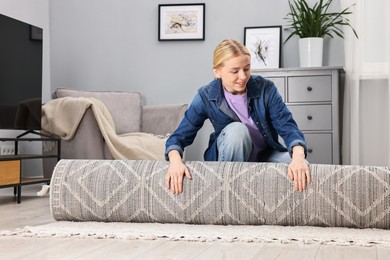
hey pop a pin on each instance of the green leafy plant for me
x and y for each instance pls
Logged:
(316, 21)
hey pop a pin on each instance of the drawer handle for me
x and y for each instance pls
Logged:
(309, 117)
(309, 150)
(309, 88)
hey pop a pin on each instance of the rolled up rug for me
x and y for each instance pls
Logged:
(226, 193)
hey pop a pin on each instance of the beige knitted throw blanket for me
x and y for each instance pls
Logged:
(62, 117)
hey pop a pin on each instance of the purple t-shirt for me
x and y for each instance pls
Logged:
(239, 104)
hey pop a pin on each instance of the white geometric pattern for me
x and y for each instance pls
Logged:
(220, 193)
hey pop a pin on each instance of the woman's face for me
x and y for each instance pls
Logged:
(235, 74)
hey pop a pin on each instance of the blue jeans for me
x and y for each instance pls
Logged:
(235, 145)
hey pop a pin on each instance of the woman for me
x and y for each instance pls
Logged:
(247, 114)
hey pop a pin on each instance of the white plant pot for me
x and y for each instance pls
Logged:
(310, 52)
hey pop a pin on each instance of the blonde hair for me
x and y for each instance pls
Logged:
(227, 49)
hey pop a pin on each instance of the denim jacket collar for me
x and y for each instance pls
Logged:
(216, 95)
(216, 92)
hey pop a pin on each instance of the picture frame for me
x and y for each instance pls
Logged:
(181, 22)
(265, 45)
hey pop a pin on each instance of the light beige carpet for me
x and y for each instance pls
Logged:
(203, 233)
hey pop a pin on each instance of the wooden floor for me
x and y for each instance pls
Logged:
(35, 211)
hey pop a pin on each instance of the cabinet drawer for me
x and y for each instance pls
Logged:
(279, 83)
(9, 172)
(307, 89)
(319, 148)
(312, 117)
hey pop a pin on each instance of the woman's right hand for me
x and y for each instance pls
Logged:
(176, 171)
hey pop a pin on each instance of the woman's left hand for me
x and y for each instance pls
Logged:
(298, 169)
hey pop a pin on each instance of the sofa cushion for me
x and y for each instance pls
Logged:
(125, 107)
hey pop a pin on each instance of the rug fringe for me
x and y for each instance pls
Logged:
(302, 241)
(207, 233)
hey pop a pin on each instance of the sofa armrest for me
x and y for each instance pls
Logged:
(87, 143)
(162, 119)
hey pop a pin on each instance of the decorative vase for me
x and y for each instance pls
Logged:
(310, 51)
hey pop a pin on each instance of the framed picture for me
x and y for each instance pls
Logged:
(264, 44)
(181, 22)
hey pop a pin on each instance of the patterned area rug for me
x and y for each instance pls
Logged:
(223, 193)
(206, 233)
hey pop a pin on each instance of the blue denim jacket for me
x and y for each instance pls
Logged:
(266, 108)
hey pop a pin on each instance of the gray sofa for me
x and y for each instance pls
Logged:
(129, 115)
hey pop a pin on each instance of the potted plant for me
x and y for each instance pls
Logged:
(312, 24)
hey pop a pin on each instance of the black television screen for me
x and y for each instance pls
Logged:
(20, 75)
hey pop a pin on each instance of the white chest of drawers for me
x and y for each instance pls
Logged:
(312, 95)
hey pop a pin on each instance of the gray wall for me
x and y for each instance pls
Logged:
(113, 45)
